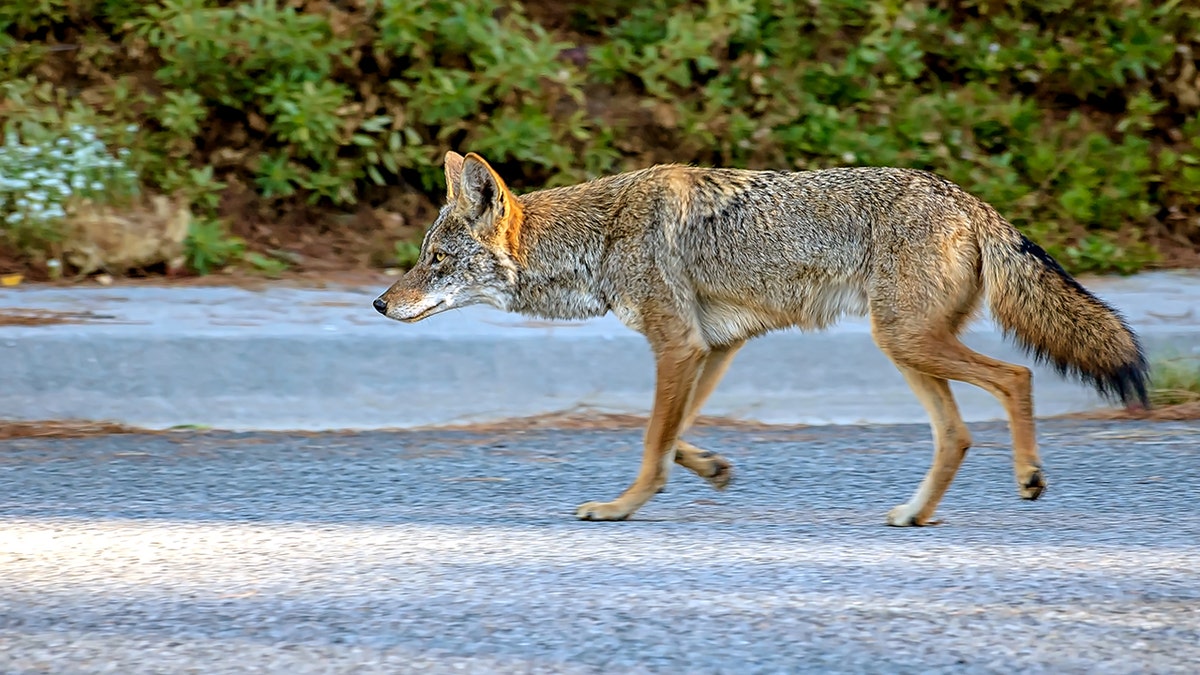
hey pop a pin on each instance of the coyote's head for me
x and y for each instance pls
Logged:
(470, 253)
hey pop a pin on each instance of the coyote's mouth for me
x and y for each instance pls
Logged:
(423, 314)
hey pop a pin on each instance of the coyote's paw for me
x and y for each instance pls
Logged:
(1032, 485)
(907, 516)
(603, 511)
(708, 465)
(719, 472)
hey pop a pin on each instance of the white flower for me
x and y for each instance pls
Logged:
(35, 179)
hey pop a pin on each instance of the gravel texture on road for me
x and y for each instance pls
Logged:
(453, 551)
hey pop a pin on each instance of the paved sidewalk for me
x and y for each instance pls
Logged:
(293, 358)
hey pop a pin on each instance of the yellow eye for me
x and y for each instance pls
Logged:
(439, 257)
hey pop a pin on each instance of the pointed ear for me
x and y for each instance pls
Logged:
(454, 169)
(498, 213)
(483, 189)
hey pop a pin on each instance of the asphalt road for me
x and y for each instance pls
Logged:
(440, 552)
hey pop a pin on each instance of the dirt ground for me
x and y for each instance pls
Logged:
(85, 428)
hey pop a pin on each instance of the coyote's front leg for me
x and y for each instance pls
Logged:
(677, 368)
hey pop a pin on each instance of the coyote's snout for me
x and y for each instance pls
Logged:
(701, 260)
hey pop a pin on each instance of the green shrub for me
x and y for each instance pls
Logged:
(406, 254)
(1175, 380)
(209, 246)
(1080, 121)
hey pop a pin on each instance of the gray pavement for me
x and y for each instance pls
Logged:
(454, 552)
(293, 358)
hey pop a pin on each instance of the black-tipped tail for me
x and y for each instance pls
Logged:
(1058, 321)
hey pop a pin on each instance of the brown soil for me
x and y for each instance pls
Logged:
(579, 421)
(586, 420)
(310, 239)
(10, 316)
(1184, 412)
(64, 429)
(324, 276)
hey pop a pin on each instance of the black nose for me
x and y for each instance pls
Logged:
(380, 305)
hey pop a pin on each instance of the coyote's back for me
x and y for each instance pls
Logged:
(755, 251)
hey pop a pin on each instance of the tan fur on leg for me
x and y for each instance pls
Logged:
(950, 440)
(678, 367)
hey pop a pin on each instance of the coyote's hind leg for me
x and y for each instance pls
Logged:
(708, 465)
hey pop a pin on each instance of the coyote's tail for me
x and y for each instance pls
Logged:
(1051, 316)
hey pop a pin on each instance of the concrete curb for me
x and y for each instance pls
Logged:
(289, 358)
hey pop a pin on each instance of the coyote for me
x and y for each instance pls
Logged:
(700, 260)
